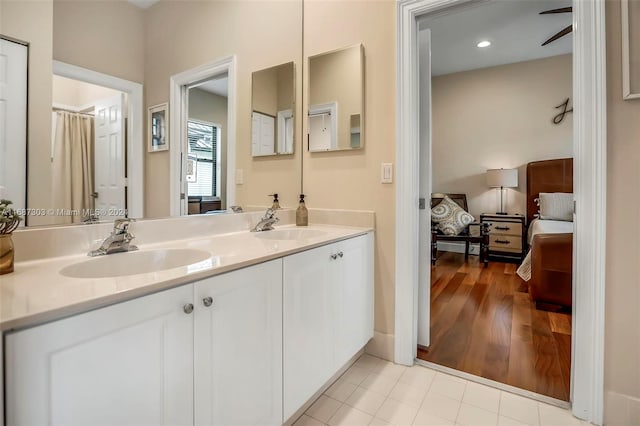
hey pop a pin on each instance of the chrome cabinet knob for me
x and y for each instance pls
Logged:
(341, 254)
(188, 308)
(334, 256)
(207, 301)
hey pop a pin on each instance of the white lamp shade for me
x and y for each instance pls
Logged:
(506, 178)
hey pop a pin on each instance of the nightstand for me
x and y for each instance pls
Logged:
(507, 236)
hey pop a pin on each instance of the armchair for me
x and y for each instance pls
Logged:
(467, 236)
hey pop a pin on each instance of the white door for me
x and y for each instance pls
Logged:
(309, 310)
(354, 318)
(127, 364)
(109, 158)
(424, 214)
(13, 122)
(238, 347)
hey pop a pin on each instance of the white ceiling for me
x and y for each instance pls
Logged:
(515, 29)
(143, 4)
(218, 86)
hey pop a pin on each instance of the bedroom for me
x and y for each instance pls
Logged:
(502, 106)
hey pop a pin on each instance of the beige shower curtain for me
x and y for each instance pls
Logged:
(73, 166)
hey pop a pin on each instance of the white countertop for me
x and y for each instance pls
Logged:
(36, 292)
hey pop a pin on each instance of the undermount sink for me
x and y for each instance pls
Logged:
(290, 234)
(135, 262)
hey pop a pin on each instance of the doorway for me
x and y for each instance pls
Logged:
(589, 96)
(491, 96)
(88, 152)
(202, 161)
(126, 98)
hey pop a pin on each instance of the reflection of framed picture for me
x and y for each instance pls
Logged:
(630, 49)
(192, 168)
(158, 127)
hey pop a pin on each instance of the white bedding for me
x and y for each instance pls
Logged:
(539, 226)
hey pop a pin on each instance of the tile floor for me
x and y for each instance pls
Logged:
(377, 392)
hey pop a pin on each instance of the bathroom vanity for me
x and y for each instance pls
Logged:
(245, 336)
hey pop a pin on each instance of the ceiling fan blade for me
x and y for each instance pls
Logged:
(562, 33)
(561, 10)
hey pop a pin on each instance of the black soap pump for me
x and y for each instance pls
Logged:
(302, 215)
(276, 203)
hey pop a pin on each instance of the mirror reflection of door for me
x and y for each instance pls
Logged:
(206, 146)
(88, 152)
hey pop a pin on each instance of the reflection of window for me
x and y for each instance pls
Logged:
(204, 150)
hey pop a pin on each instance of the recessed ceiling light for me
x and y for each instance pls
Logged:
(484, 43)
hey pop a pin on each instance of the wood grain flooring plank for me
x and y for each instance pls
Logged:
(560, 323)
(484, 323)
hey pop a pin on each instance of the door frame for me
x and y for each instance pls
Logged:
(135, 122)
(590, 160)
(178, 121)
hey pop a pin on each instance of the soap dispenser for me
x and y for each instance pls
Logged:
(302, 215)
(276, 203)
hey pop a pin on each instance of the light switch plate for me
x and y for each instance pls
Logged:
(386, 173)
(239, 176)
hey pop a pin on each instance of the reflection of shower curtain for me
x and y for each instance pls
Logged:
(73, 165)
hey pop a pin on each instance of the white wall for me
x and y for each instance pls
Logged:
(498, 117)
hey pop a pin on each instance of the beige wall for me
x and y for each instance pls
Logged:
(31, 21)
(622, 319)
(351, 179)
(103, 36)
(69, 92)
(264, 91)
(212, 108)
(337, 77)
(261, 35)
(498, 117)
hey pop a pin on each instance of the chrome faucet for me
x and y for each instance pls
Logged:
(266, 223)
(118, 241)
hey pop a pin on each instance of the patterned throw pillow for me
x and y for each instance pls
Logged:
(450, 217)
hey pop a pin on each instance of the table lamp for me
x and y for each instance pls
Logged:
(502, 178)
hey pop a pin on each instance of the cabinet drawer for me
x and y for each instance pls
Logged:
(509, 243)
(505, 228)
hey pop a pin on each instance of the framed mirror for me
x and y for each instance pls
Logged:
(273, 110)
(336, 100)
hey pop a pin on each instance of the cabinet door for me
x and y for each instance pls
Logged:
(126, 364)
(309, 291)
(238, 347)
(354, 318)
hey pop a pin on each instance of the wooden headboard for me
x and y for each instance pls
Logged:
(547, 176)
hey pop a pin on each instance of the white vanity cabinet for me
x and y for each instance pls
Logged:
(247, 347)
(328, 314)
(139, 362)
(238, 347)
(127, 364)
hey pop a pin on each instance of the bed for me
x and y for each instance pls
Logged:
(547, 268)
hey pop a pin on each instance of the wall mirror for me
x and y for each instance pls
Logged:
(336, 100)
(272, 110)
(141, 55)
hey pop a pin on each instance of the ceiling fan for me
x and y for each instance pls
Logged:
(563, 32)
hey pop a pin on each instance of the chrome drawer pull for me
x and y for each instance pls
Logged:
(503, 241)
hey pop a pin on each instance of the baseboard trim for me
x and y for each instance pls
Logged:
(621, 409)
(454, 247)
(381, 346)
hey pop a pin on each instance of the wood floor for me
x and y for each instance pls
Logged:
(483, 323)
